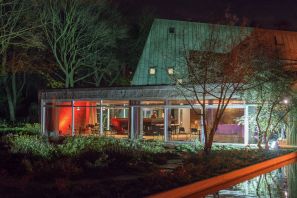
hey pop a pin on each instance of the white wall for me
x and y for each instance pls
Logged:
(185, 119)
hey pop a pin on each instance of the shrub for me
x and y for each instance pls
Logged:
(32, 128)
(20, 128)
(73, 146)
(190, 147)
(148, 146)
(32, 145)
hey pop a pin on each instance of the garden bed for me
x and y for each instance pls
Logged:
(106, 167)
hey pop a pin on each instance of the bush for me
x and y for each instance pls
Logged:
(91, 152)
(73, 146)
(194, 147)
(148, 146)
(31, 145)
(20, 128)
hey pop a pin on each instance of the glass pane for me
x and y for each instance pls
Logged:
(184, 124)
(86, 120)
(58, 121)
(153, 123)
(116, 122)
(230, 128)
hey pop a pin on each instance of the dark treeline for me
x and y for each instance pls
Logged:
(64, 44)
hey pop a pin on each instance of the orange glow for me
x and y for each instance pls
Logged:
(83, 116)
(65, 116)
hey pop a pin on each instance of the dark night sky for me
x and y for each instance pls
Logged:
(276, 14)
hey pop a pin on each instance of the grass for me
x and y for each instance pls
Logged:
(108, 167)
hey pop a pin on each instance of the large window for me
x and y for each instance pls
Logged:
(230, 128)
(153, 123)
(108, 117)
(113, 117)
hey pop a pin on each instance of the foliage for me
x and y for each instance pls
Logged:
(148, 146)
(76, 146)
(191, 147)
(31, 145)
(116, 167)
(20, 128)
(271, 91)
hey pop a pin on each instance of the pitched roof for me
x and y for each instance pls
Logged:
(169, 39)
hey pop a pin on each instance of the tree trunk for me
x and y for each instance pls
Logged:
(205, 131)
(71, 79)
(208, 145)
(5, 79)
(14, 89)
(259, 144)
(11, 107)
(292, 130)
(66, 81)
(266, 141)
(207, 148)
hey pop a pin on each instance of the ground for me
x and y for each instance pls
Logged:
(106, 167)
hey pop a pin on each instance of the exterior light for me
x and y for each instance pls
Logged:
(77, 108)
(152, 71)
(274, 145)
(286, 101)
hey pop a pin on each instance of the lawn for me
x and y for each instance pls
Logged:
(105, 167)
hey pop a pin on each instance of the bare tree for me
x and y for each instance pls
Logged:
(79, 38)
(16, 32)
(217, 71)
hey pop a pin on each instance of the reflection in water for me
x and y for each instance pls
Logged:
(278, 183)
(292, 180)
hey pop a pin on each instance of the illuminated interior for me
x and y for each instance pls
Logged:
(149, 120)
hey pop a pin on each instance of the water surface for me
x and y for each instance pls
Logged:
(280, 183)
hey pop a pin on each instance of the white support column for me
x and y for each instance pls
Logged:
(101, 119)
(124, 112)
(141, 132)
(166, 125)
(43, 118)
(108, 119)
(246, 124)
(178, 115)
(72, 118)
(202, 130)
(132, 132)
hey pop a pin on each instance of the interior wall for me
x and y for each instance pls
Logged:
(185, 119)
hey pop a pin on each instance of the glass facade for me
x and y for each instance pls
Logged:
(174, 120)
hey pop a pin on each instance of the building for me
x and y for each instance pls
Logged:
(152, 108)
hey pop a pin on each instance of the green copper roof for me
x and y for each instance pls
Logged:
(169, 39)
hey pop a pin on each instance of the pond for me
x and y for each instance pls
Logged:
(281, 182)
